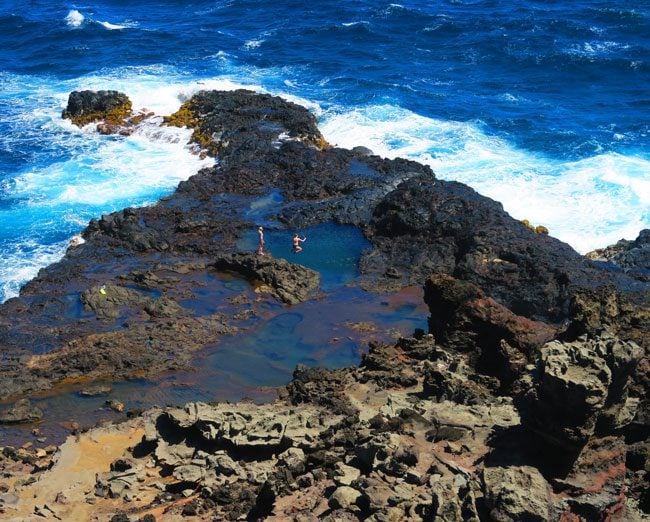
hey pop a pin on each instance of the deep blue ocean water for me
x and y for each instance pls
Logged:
(544, 106)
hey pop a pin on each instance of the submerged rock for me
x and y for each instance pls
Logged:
(21, 412)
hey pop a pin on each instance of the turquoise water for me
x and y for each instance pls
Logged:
(332, 250)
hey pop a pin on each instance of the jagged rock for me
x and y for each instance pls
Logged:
(189, 473)
(174, 454)
(517, 493)
(596, 483)
(453, 382)
(578, 385)
(592, 310)
(249, 425)
(320, 386)
(21, 412)
(126, 227)
(345, 475)
(292, 283)
(223, 464)
(451, 499)
(631, 256)
(464, 318)
(88, 106)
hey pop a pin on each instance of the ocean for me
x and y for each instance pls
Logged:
(543, 106)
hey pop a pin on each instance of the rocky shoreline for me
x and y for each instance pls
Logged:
(525, 400)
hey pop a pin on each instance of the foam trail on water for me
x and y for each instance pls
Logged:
(589, 203)
(111, 27)
(159, 89)
(147, 164)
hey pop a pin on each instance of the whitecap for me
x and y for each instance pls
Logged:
(253, 44)
(74, 18)
(506, 96)
(595, 48)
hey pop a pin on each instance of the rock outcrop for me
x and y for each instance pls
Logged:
(291, 283)
(112, 108)
(633, 257)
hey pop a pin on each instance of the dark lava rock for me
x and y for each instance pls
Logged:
(417, 226)
(21, 412)
(428, 225)
(291, 283)
(319, 386)
(88, 106)
(605, 307)
(465, 319)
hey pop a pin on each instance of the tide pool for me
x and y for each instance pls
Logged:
(330, 249)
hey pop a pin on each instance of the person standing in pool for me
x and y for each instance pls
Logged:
(296, 243)
(260, 235)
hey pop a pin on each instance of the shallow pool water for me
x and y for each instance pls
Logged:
(332, 331)
(331, 249)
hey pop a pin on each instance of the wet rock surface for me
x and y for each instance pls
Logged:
(289, 282)
(525, 400)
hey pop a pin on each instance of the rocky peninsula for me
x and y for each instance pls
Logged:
(523, 398)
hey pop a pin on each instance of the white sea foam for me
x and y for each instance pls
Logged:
(74, 18)
(93, 174)
(20, 262)
(160, 89)
(117, 173)
(253, 44)
(588, 204)
(596, 48)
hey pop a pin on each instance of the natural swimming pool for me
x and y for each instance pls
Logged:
(331, 249)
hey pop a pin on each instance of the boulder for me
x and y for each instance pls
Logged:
(290, 282)
(89, 106)
(579, 387)
(344, 497)
(21, 412)
(633, 257)
(465, 319)
(517, 493)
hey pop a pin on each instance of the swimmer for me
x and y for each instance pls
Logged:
(296, 243)
(260, 235)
